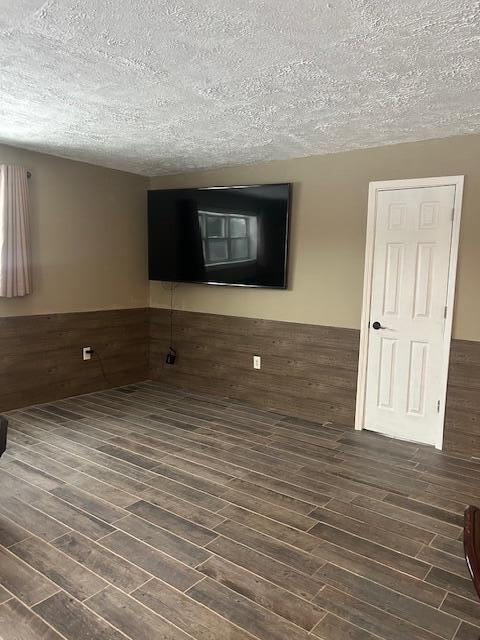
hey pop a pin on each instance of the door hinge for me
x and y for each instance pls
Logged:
(438, 406)
(445, 312)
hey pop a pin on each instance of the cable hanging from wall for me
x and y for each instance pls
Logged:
(172, 352)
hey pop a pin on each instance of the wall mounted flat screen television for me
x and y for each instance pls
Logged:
(220, 235)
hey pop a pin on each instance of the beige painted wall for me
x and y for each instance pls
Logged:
(328, 233)
(88, 237)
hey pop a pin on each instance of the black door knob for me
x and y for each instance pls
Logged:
(376, 325)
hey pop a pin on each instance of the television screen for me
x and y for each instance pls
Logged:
(220, 235)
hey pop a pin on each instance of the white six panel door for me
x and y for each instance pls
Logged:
(413, 230)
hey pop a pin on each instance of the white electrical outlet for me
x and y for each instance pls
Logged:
(257, 362)
(86, 352)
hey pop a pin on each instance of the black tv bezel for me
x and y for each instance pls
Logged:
(281, 287)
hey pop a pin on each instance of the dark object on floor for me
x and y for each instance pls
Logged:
(3, 434)
(471, 544)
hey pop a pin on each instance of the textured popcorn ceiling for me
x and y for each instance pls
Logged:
(159, 86)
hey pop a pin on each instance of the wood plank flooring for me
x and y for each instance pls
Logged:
(147, 512)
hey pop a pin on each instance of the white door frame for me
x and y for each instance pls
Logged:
(374, 189)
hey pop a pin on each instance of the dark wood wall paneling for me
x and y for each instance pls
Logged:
(307, 371)
(462, 420)
(41, 356)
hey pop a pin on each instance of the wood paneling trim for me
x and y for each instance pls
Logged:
(307, 371)
(41, 357)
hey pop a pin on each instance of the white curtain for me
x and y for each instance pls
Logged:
(15, 259)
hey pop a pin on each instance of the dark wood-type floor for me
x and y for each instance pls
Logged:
(149, 513)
